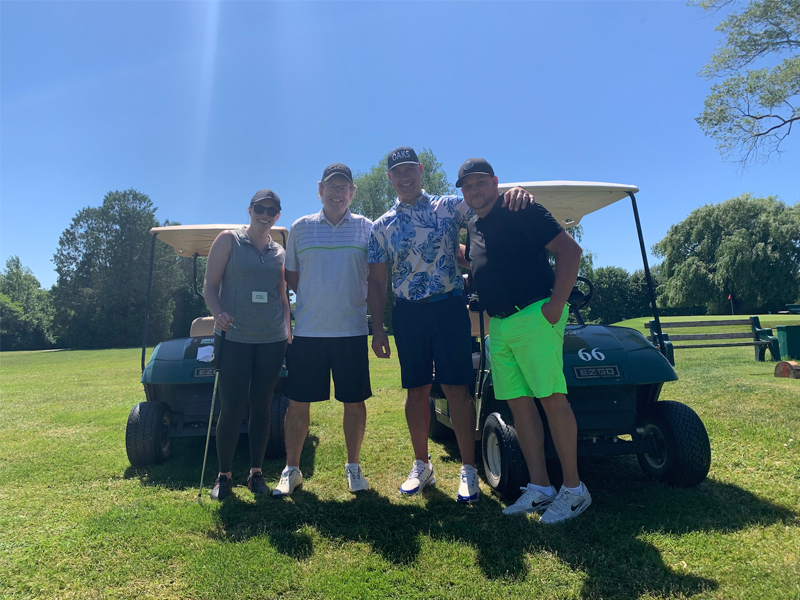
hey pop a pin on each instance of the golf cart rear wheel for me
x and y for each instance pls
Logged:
(147, 439)
(276, 446)
(681, 454)
(503, 464)
(436, 430)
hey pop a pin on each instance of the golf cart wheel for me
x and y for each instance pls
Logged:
(147, 434)
(436, 430)
(503, 464)
(276, 446)
(682, 454)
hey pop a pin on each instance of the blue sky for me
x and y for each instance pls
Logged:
(199, 104)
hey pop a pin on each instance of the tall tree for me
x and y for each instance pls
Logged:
(746, 248)
(26, 310)
(102, 264)
(753, 109)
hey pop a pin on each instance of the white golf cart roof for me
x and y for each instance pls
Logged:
(570, 201)
(187, 240)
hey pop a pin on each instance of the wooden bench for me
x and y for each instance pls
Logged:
(761, 339)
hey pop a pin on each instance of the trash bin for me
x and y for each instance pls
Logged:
(789, 340)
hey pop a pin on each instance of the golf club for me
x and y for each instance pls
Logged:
(218, 363)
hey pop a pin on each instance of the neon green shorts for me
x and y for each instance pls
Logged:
(527, 354)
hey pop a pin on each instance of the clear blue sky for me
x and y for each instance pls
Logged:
(199, 104)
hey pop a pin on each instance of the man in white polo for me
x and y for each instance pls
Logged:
(326, 266)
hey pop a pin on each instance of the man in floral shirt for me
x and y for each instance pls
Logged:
(419, 238)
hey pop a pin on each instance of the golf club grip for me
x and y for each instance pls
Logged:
(219, 351)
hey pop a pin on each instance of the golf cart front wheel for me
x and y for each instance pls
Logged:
(504, 466)
(147, 440)
(680, 453)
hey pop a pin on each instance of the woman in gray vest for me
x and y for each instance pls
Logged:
(245, 290)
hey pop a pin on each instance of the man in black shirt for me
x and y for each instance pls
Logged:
(526, 301)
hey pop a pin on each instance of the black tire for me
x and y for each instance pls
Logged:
(504, 466)
(276, 446)
(436, 430)
(147, 440)
(683, 453)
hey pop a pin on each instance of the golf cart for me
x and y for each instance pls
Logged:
(614, 377)
(178, 379)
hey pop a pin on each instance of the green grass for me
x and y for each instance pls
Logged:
(76, 521)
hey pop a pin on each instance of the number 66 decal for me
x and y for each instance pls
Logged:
(595, 354)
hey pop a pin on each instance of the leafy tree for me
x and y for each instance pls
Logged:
(102, 264)
(745, 247)
(752, 110)
(618, 295)
(26, 313)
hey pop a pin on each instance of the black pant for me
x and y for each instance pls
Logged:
(247, 371)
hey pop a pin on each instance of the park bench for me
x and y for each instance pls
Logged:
(761, 339)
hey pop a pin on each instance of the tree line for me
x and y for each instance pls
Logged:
(742, 253)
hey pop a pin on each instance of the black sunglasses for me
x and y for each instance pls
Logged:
(260, 209)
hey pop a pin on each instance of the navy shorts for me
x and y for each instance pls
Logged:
(433, 334)
(311, 361)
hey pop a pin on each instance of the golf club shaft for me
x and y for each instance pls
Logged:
(211, 413)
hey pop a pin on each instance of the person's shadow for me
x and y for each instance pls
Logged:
(626, 508)
(182, 470)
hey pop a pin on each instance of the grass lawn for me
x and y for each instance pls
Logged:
(76, 521)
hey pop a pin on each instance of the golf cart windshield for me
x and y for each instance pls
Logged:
(570, 201)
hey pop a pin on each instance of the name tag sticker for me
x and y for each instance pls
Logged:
(259, 296)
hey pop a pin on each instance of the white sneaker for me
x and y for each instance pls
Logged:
(468, 490)
(291, 479)
(355, 478)
(532, 500)
(420, 476)
(567, 505)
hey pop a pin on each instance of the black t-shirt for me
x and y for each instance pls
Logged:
(508, 255)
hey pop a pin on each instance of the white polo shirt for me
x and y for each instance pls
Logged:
(332, 261)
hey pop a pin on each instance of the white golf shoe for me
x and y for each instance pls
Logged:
(420, 476)
(291, 479)
(468, 489)
(355, 478)
(567, 505)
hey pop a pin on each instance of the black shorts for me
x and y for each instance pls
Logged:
(433, 333)
(311, 361)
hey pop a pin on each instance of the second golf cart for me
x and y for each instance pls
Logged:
(178, 378)
(614, 377)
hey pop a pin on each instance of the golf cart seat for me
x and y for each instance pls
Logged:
(202, 327)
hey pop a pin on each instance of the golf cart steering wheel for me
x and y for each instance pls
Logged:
(577, 298)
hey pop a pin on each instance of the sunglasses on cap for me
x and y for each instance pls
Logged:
(260, 209)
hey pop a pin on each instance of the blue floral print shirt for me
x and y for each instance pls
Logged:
(420, 242)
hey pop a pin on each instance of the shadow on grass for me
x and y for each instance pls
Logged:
(608, 543)
(182, 470)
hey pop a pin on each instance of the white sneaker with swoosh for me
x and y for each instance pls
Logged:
(567, 505)
(531, 501)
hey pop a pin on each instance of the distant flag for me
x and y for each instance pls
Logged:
(729, 296)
